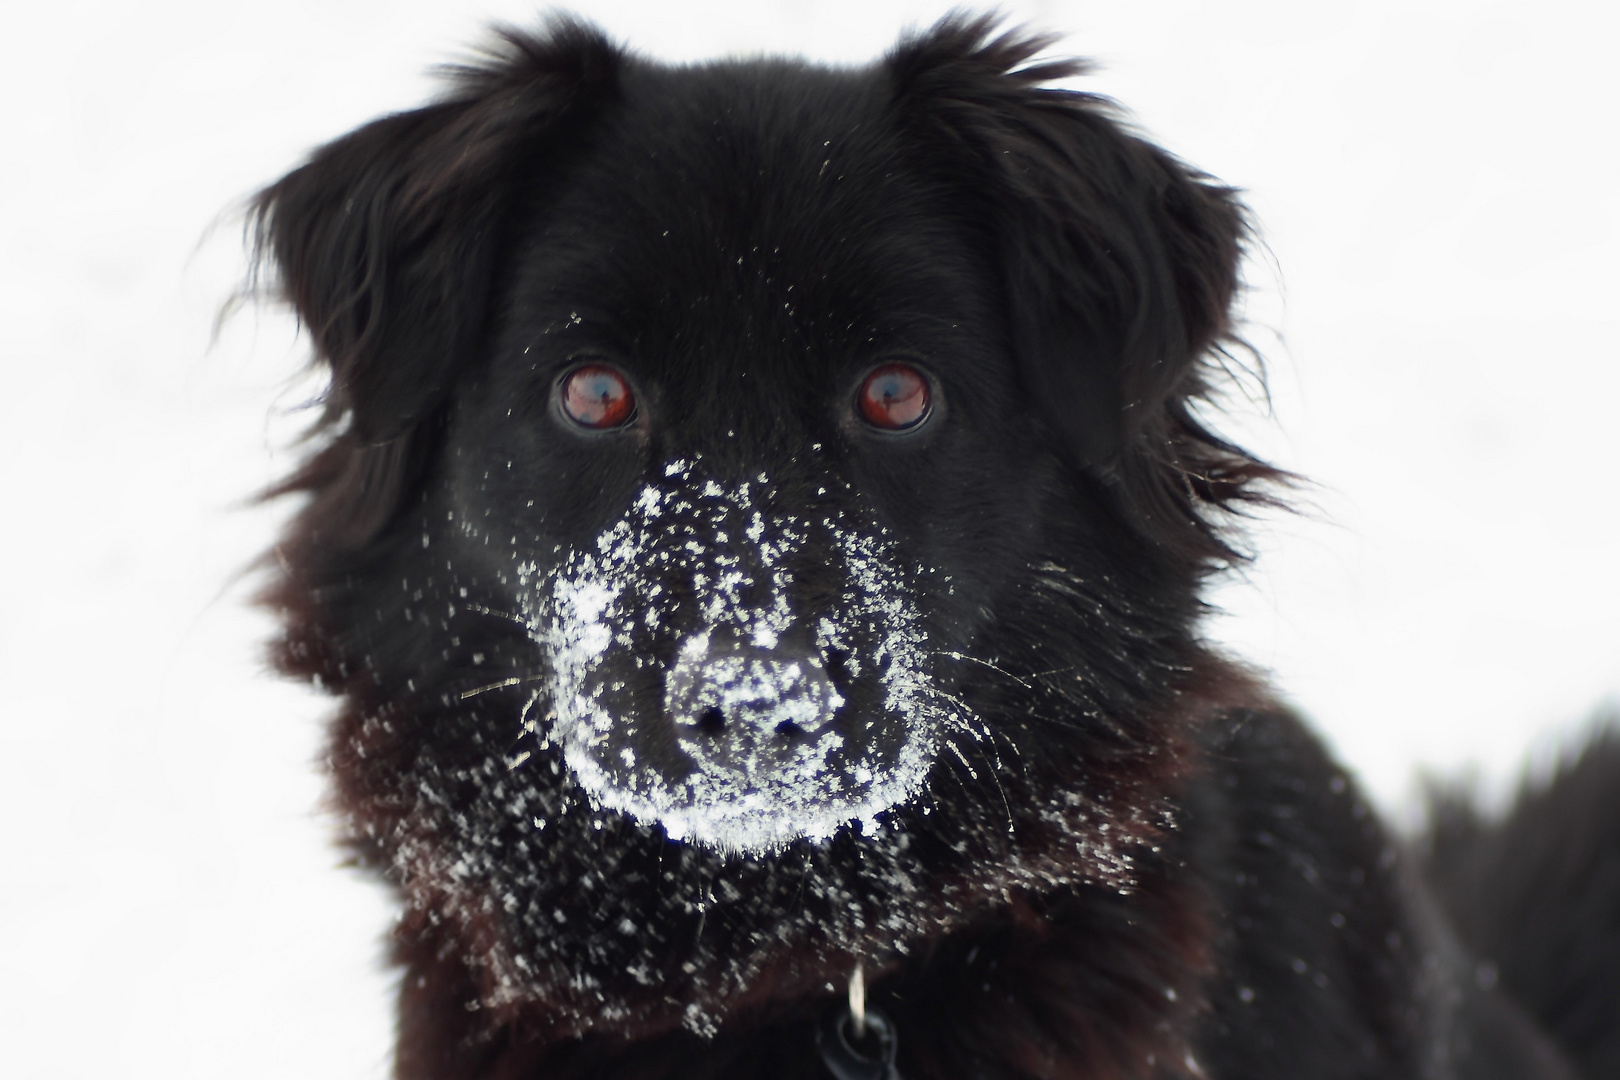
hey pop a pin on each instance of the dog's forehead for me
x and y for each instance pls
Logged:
(758, 219)
(798, 161)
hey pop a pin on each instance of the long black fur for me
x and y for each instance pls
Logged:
(1133, 863)
(1536, 896)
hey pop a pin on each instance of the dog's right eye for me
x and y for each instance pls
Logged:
(597, 396)
(894, 397)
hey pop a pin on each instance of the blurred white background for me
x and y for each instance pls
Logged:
(1435, 182)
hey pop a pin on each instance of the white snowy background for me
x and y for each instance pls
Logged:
(1436, 185)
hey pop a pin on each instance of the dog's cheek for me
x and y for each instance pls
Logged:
(521, 491)
(970, 511)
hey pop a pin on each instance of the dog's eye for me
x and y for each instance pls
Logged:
(894, 397)
(596, 396)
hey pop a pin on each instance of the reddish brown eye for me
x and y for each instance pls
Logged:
(894, 397)
(596, 396)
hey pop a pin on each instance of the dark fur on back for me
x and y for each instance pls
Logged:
(1125, 859)
(1536, 896)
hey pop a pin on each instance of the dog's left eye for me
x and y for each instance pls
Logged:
(894, 397)
(597, 396)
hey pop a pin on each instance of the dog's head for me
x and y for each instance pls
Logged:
(762, 508)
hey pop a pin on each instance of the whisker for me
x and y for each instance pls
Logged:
(503, 684)
(983, 663)
(482, 610)
(1055, 671)
(995, 774)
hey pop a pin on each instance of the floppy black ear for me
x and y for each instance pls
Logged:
(384, 244)
(1119, 264)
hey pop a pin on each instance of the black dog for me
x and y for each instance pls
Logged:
(758, 539)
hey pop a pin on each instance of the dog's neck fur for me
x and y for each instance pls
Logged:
(1120, 978)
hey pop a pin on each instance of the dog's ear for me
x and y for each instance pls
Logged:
(384, 244)
(1119, 265)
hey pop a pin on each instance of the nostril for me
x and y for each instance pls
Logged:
(730, 701)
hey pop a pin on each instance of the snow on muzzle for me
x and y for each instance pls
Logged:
(741, 677)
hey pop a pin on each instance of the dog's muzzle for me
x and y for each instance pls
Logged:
(741, 679)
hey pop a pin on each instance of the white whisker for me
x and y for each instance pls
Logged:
(503, 684)
(482, 610)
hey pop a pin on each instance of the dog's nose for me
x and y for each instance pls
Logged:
(745, 705)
